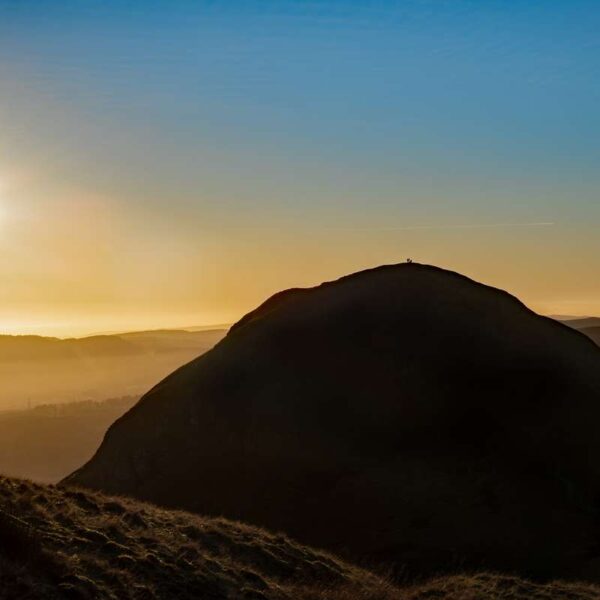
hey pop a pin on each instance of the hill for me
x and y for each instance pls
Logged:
(593, 333)
(405, 416)
(32, 347)
(589, 326)
(66, 543)
(69, 543)
(47, 442)
(581, 323)
(36, 370)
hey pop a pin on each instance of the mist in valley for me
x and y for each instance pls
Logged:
(37, 370)
(59, 397)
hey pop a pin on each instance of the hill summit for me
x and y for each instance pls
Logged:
(404, 415)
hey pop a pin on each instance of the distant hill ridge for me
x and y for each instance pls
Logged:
(405, 415)
(38, 370)
(589, 326)
(593, 333)
(581, 322)
(34, 347)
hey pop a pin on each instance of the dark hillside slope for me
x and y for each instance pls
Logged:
(593, 333)
(403, 415)
(69, 543)
(582, 323)
(589, 326)
(74, 544)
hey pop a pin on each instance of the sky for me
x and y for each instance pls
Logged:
(173, 163)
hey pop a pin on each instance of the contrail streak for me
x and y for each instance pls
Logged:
(466, 226)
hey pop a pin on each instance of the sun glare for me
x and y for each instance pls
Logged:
(2, 201)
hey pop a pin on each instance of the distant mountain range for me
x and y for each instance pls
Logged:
(192, 328)
(29, 347)
(593, 333)
(40, 370)
(404, 416)
(589, 326)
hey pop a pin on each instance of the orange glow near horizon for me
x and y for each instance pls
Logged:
(79, 266)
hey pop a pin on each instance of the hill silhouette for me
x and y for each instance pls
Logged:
(593, 333)
(404, 415)
(589, 326)
(69, 543)
(582, 322)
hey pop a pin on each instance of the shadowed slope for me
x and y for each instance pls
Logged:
(402, 415)
(69, 543)
(589, 326)
(593, 333)
(583, 323)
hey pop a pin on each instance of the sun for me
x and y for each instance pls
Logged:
(3, 202)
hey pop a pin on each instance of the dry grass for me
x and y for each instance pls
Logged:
(103, 547)
(496, 587)
(462, 587)
(69, 543)
(483, 586)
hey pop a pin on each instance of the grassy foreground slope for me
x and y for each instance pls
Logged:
(72, 543)
(68, 543)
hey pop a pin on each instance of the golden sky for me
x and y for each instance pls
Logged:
(75, 263)
(174, 167)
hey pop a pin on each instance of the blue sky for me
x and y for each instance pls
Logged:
(301, 116)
